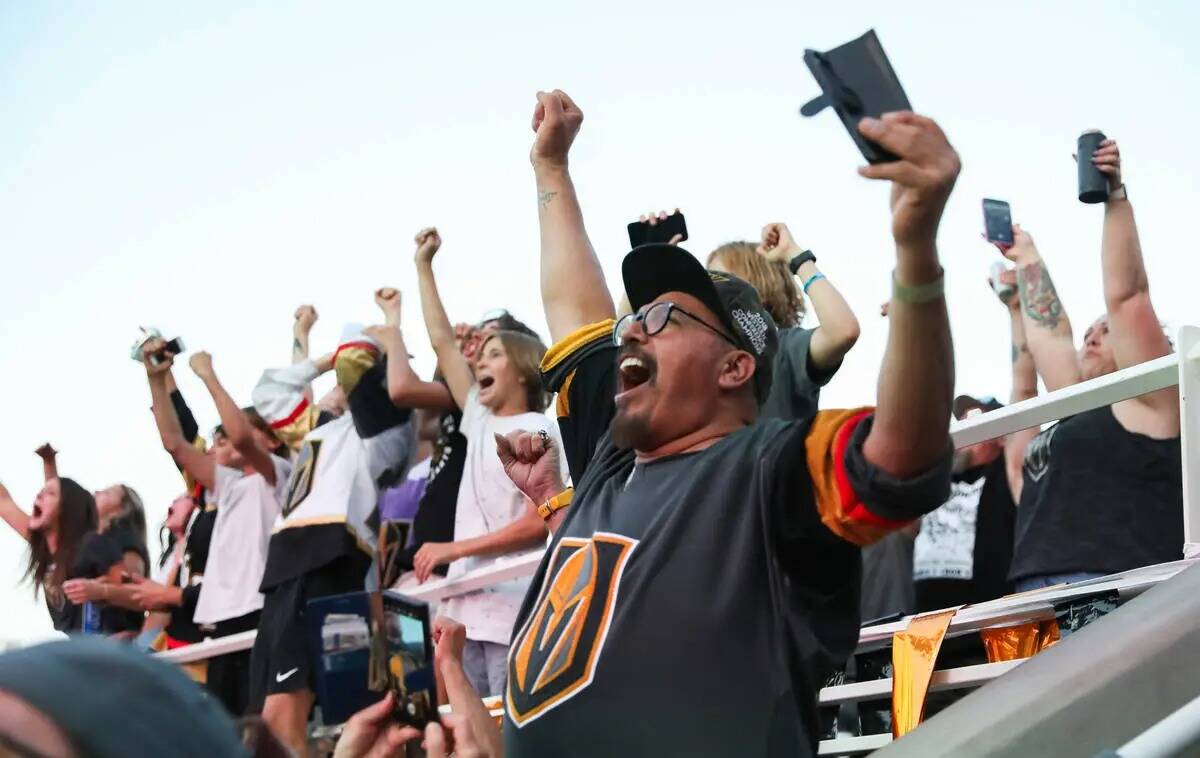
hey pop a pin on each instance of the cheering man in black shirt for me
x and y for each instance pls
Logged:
(705, 578)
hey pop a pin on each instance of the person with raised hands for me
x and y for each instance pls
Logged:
(675, 471)
(323, 543)
(64, 545)
(807, 358)
(434, 522)
(499, 392)
(246, 483)
(1100, 491)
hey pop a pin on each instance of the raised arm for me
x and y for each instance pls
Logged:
(1046, 324)
(1024, 382)
(191, 460)
(916, 381)
(303, 320)
(12, 513)
(454, 366)
(1133, 327)
(49, 458)
(405, 387)
(233, 420)
(574, 293)
(839, 329)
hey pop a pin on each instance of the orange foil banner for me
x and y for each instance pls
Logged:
(1010, 643)
(914, 653)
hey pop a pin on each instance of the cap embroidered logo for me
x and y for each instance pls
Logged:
(753, 326)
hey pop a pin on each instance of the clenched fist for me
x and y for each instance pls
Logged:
(777, 243)
(531, 460)
(556, 122)
(201, 363)
(388, 300)
(305, 316)
(428, 243)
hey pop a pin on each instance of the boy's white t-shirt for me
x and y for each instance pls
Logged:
(246, 511)
(487, 502)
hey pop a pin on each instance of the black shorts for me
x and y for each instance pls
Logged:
(228, 677)
(281, 660)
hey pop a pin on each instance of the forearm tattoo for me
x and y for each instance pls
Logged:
(297, 347)
(1039, 299)
(544, 197)
(1018, 351)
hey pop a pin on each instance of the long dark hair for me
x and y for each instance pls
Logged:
(76, 517)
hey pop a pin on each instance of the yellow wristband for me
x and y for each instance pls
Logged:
(556, 503)
(921, 293)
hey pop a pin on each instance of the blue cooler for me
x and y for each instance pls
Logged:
(342, 654)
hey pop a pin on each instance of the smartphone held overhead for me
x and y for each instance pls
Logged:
(997, 222)
(663, 230)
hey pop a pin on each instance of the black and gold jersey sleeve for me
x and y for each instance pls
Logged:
(581, 369)
(854, 499)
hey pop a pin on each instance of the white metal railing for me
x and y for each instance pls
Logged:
(1169, 737)
(1180, 369)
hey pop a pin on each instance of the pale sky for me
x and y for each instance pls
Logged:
(205, 168)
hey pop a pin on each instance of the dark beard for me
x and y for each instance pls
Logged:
(628, 431)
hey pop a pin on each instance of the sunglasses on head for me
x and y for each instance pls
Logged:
(655, 317)
(493, 315)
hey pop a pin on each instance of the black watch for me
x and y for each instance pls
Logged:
(795, 263)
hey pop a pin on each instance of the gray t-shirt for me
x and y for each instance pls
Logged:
(797, 384)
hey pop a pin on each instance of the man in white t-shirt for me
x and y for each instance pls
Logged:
(246, 482)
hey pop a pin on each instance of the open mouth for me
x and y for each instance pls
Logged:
(485, 382)
(633, 373)
(37, 511)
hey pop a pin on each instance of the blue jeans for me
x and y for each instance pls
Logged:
(1049, 580)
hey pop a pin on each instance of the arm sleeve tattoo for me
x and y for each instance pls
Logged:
(1039, 299)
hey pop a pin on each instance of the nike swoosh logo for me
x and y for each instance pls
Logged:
(281, 677)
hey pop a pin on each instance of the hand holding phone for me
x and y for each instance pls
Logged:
(411, 674)
(997, 223)
(663, 228)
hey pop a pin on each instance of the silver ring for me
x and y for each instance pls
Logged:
(545, 437)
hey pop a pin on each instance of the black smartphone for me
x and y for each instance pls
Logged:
(997, 221)
(644, 233)
(409, 648)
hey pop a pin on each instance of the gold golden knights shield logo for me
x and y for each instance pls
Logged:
(553, 656)
(301, 481)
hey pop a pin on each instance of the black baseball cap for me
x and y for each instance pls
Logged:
(651, 270)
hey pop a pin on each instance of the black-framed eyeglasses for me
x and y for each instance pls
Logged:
(655, 318)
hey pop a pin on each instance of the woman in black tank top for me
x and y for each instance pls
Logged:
(1101, 491)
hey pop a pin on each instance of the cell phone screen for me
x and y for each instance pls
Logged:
(410, 669)
(642, 233)
(997, 221)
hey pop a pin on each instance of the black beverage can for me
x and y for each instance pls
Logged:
(1093, 185)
